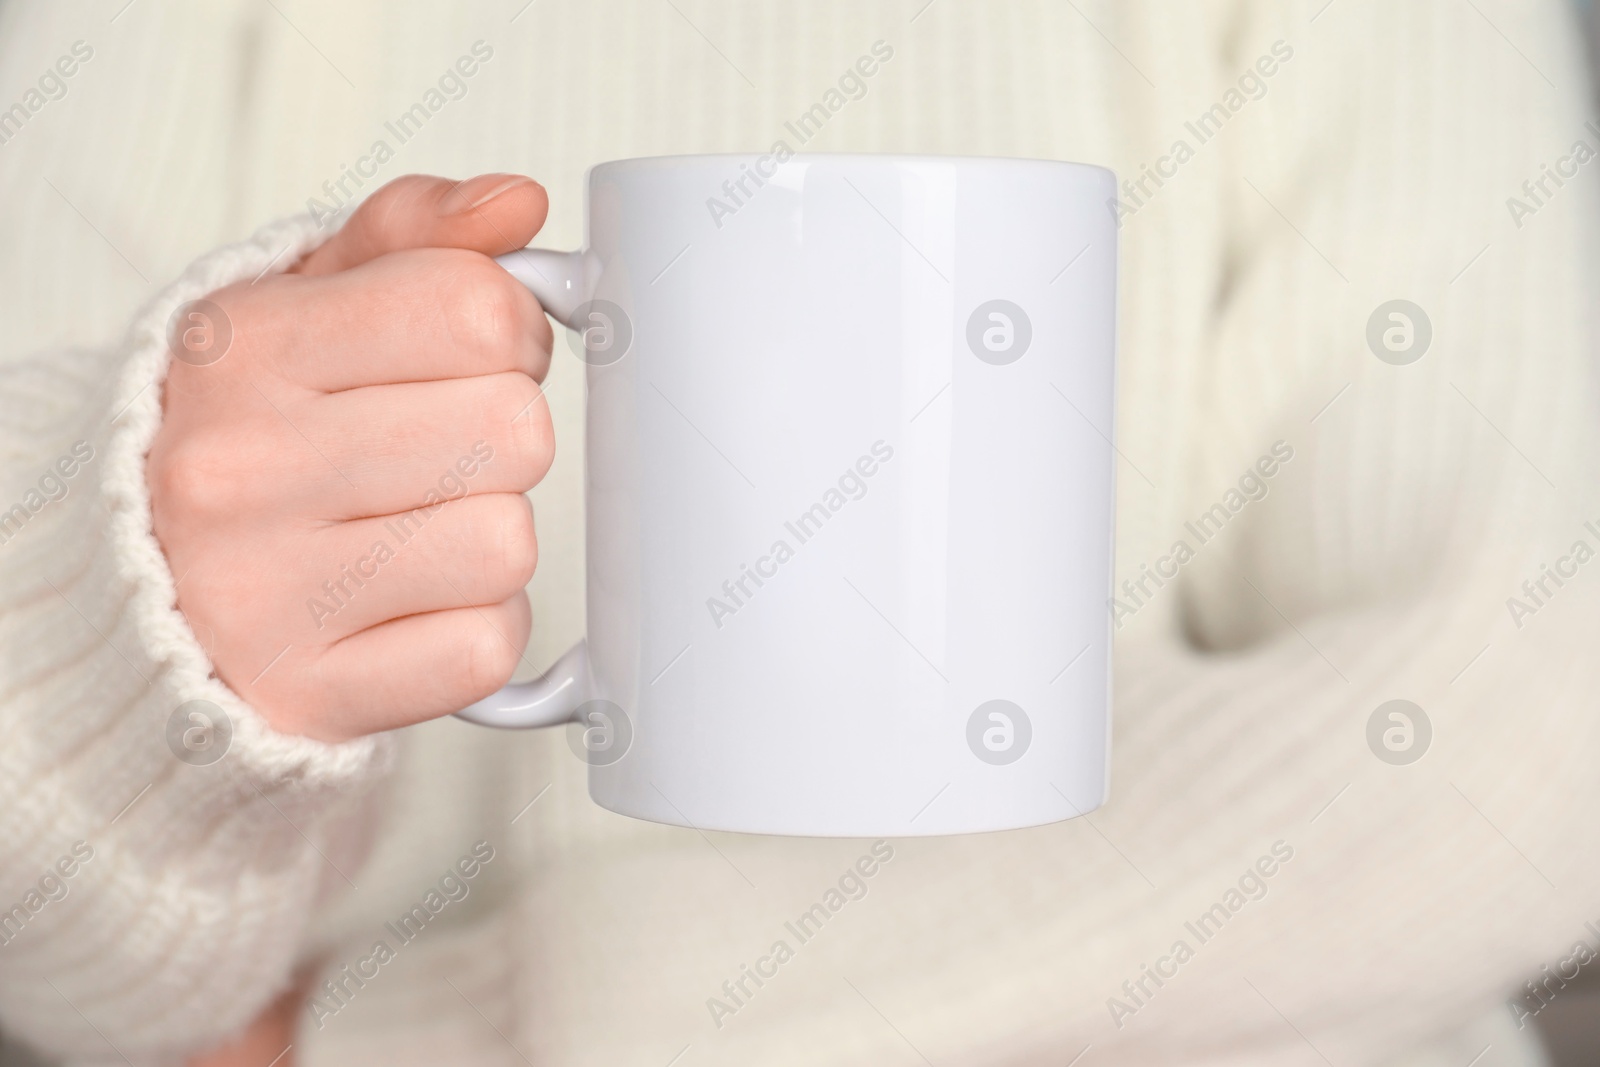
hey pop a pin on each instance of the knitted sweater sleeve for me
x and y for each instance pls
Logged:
(161, 847)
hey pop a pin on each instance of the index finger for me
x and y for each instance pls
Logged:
(413, 316)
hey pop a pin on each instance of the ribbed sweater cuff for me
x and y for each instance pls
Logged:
(293, 764)
(206, 862)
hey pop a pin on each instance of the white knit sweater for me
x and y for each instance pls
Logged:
(1374, 163)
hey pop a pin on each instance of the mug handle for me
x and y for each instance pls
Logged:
(561, 282)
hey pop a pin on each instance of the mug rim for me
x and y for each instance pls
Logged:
(686, 158)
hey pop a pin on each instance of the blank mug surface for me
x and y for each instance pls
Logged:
(849, 490)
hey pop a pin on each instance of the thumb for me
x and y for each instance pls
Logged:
(492, 214)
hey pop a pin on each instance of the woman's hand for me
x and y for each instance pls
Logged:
(340, 495)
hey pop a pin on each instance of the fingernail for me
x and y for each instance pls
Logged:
(474, 193)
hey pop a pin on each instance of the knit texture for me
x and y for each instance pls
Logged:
(204, 875)
(1374, 164)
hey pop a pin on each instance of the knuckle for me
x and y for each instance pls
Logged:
(195, 478)
(294, 707)
(390, 209)
(489, 659)
(485, 308)
(507, 395)
(519, 405)
(514, 552)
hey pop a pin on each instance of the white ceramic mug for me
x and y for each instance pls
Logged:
(849, 483)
